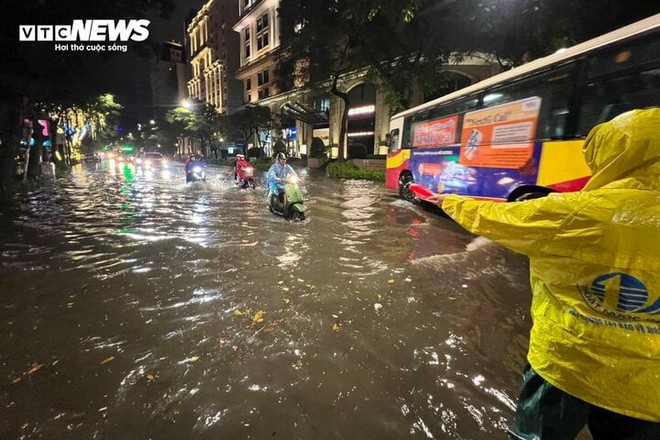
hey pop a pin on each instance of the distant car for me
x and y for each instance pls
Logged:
(91, 157)
(151, 160)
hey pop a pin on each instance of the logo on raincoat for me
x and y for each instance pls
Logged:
(621, 296)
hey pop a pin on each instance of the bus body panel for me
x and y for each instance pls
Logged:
(558, 165)
(562, 166)
(396, 164)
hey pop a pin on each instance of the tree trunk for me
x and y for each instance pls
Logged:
(343, 127)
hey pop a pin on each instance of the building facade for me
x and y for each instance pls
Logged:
(168, 76)
(214, 58)
(259, 33)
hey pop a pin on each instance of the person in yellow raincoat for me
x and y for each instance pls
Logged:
(594, 350)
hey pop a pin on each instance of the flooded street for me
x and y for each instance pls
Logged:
(136, 307)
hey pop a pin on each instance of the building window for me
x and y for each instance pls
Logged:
(262, 40)
(263, 78)
(262, 22)
(248, 84)
(262, 31)
(248, 97)
(264, 93)
(247, 43)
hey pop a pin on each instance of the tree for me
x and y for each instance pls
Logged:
(248, 122)
(327, 40)
(199, 125)
(517, 31)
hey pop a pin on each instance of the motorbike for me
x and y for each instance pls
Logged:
(289, 204)
(245, 177)
(195, 173)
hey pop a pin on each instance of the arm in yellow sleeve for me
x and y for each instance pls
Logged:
(525, 227)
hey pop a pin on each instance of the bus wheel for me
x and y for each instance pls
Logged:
(404, 189)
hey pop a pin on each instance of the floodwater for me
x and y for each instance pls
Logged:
(135, 306)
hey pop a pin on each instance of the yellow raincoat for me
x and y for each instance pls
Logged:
(595, 269)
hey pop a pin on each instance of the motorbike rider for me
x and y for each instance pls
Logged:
(240, 164)
(193, 161)
(277, 175)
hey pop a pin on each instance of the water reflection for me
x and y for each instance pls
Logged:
(165, 310)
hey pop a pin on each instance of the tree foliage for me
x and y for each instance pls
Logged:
(200, 124)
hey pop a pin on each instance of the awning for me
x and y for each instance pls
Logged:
(301, 112)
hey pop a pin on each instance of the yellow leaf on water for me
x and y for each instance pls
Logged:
(280, 282)
(238, 313)
(335, 316)
(34, 367)
(390, 281)
(258, 317)
(108, 359)
(150, 377)
(287, 300)
(194, 359)
(335, 327)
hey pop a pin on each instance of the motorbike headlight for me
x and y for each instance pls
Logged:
(293, 179)
(197, 169)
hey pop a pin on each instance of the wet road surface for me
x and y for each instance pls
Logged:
(135, 306)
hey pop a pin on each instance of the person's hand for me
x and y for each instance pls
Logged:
(437, 199)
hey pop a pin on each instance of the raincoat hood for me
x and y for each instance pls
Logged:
(626, 145)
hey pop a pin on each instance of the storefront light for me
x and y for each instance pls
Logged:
(365, 110)
(361, 133)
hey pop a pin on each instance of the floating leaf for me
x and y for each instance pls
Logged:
(336, 326)
(390, 281)
(194, 359)
(280, 282)
(103, 409)
(287, 301)
(258, 317)
(378, 306)
(150, 377)
(238, 313)
(17, 380)
(335, 316)
(34, 367)
(108, 359)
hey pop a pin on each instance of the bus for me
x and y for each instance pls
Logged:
(519, 134)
